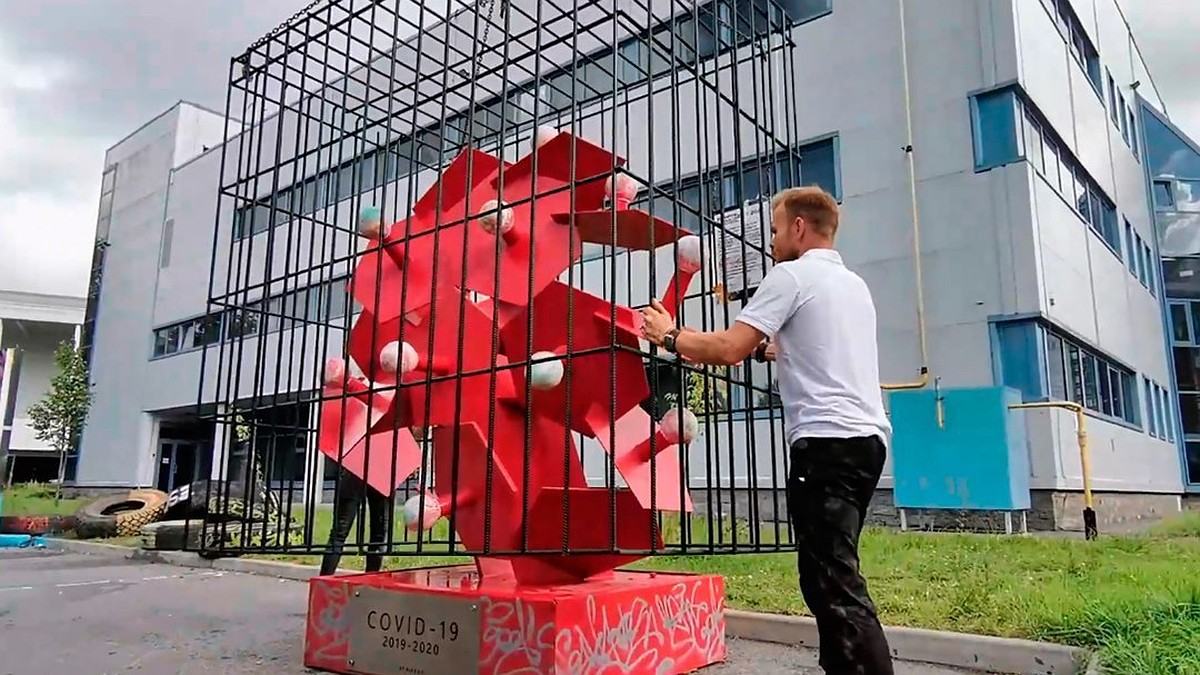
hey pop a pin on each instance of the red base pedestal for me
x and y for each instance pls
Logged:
(434, 621)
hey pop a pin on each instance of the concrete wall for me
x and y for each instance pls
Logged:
(119, 441)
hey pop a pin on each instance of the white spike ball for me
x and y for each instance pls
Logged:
(675, 432)
(626, 188)
(689, 254)
(547, 374)
(432, 511)
(370, 222)
(544, 135)
(390, 360)
(494, 216)
(335, 371)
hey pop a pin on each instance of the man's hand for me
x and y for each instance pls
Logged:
(656, 322)
(765, 351)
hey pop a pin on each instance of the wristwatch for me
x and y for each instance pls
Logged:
(760, 352)
(668, 342)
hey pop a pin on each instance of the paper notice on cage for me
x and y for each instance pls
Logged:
(741, 258)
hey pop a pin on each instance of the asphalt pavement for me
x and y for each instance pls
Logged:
(75, 614)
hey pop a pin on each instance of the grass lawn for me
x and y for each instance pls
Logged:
(36, 499)
(1136, 597)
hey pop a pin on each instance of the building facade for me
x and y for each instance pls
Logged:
(33, 325)
(1013, 137)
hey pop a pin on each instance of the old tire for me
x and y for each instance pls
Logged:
(217, 501)
(172, 535)
(119, 515)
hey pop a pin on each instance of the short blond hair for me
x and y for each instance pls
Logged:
(814, 205)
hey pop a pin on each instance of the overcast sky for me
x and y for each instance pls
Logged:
(78, 75)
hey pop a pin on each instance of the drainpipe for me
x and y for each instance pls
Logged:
(923, 379)
(1085, 460)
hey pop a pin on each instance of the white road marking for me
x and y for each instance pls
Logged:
(103, 582)
(73, 584)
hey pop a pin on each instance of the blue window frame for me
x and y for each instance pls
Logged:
(1009, 128)
(1044, 363)
(995, 124)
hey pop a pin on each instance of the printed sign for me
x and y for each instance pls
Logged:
(740, 270)
(393, 632)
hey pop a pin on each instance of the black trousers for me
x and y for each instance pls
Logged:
(351, 493)
(830, 484)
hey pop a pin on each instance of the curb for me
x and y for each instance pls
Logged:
(943, 648)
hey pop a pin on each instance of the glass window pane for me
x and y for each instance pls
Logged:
(1179, 323)
(1189, 196)
(818, 166)
(1192, 450)
(996, 129)
(1163, 196)
(1117, 391)
(1052, 168)
(1058, 373)
(1076, 388)
(1033, 144)
(1105, 381)
(1090, 394)
(1187, 368)
(1080, 196)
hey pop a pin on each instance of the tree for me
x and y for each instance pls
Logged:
(59, 417)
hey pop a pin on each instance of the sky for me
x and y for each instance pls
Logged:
(76, 76)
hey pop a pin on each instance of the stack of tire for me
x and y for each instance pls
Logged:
(217, 518)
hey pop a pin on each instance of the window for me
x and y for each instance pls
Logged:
(1078, 43)
(1180, 330)
(1131, 246)
(1065, 370)
(1133, 134)
(322, 302)
(1008, 128)
(1148, 269)
(164, 255)
(995, 128)
(1120, 111)
(1164, 196)
(1151, 407)
(1112, 98)
(1192, 452)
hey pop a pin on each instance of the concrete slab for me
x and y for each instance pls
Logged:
(77, 613)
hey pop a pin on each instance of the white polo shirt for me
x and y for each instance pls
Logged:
(822, 318)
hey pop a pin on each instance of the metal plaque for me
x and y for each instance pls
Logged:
(394, 632)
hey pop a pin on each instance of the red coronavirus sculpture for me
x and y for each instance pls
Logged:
(468, 329)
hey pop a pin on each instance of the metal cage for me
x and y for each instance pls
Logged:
(379, 328)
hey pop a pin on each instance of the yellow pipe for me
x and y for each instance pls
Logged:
(916, 219)
(1085, 459)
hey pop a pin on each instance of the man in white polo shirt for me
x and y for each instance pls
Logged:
(820, 320)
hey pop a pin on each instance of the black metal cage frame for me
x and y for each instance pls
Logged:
(332, 111)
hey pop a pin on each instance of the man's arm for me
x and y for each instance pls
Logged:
(721, 348)
(773, 303)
